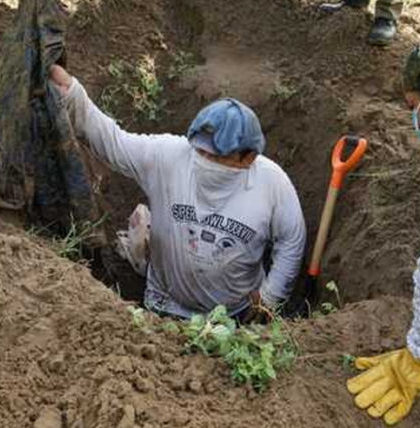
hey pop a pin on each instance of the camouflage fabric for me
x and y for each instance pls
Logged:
(411, 74)
(41, 164)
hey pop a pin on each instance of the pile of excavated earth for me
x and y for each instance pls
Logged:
(70, 355)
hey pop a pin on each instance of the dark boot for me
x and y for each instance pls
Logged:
(356, 3)
(383, 31)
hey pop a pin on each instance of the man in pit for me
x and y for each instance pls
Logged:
(216, 203)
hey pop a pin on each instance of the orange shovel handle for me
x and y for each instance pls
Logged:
(341, 168)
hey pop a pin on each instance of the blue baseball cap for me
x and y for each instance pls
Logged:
(226, 126)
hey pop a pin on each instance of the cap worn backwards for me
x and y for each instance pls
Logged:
(226, 126)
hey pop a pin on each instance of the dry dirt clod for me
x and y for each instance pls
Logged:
(148, 351)
(57, 363)
(101, 374)
(195, 386)
(128, 419)
(49, 418)
(143, 385)
(176, 384)
(123, 365)
(78, 424)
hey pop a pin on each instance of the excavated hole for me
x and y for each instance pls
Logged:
(305, 102)
(307, 89)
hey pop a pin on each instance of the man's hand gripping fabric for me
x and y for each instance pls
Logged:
(389, 386)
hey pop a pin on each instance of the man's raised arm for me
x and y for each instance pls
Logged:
(133, 155)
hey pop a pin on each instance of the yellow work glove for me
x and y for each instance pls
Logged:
(389, 386)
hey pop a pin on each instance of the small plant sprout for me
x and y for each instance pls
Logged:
(327, 308)
(137, 316)
(332, 286)
(347, 361)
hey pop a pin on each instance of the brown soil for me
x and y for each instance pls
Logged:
(71, 358)
(69, 355)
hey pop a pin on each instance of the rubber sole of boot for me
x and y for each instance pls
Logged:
(380, 42)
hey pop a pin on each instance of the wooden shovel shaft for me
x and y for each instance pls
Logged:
(321, 238)
(340, 169)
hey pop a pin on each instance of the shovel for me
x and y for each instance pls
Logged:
(357, 147)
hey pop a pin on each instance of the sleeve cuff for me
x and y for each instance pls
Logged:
(268, 298)
(73, 90)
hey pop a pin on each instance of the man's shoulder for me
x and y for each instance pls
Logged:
(170, 146)
(171, 141)
(269, 169)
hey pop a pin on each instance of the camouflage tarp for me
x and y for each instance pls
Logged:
(41, 164)
(411, 73)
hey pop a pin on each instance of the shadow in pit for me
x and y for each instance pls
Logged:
(116, 273)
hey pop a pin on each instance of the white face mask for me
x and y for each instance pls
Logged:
(215, 183)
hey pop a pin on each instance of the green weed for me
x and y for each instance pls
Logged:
(40, 231)
(134, 84)
(182, 64)
(283, 91)
(71, 245)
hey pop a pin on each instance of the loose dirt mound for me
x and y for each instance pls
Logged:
(71, 358)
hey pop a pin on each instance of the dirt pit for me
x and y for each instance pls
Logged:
(70, 355)
(311, 78)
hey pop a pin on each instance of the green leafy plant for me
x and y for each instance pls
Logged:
(210, 334)
(136, 84)
(182, 64)
(170, 327)
(254, 353)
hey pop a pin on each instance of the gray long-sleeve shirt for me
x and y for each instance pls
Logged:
(201, 257)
